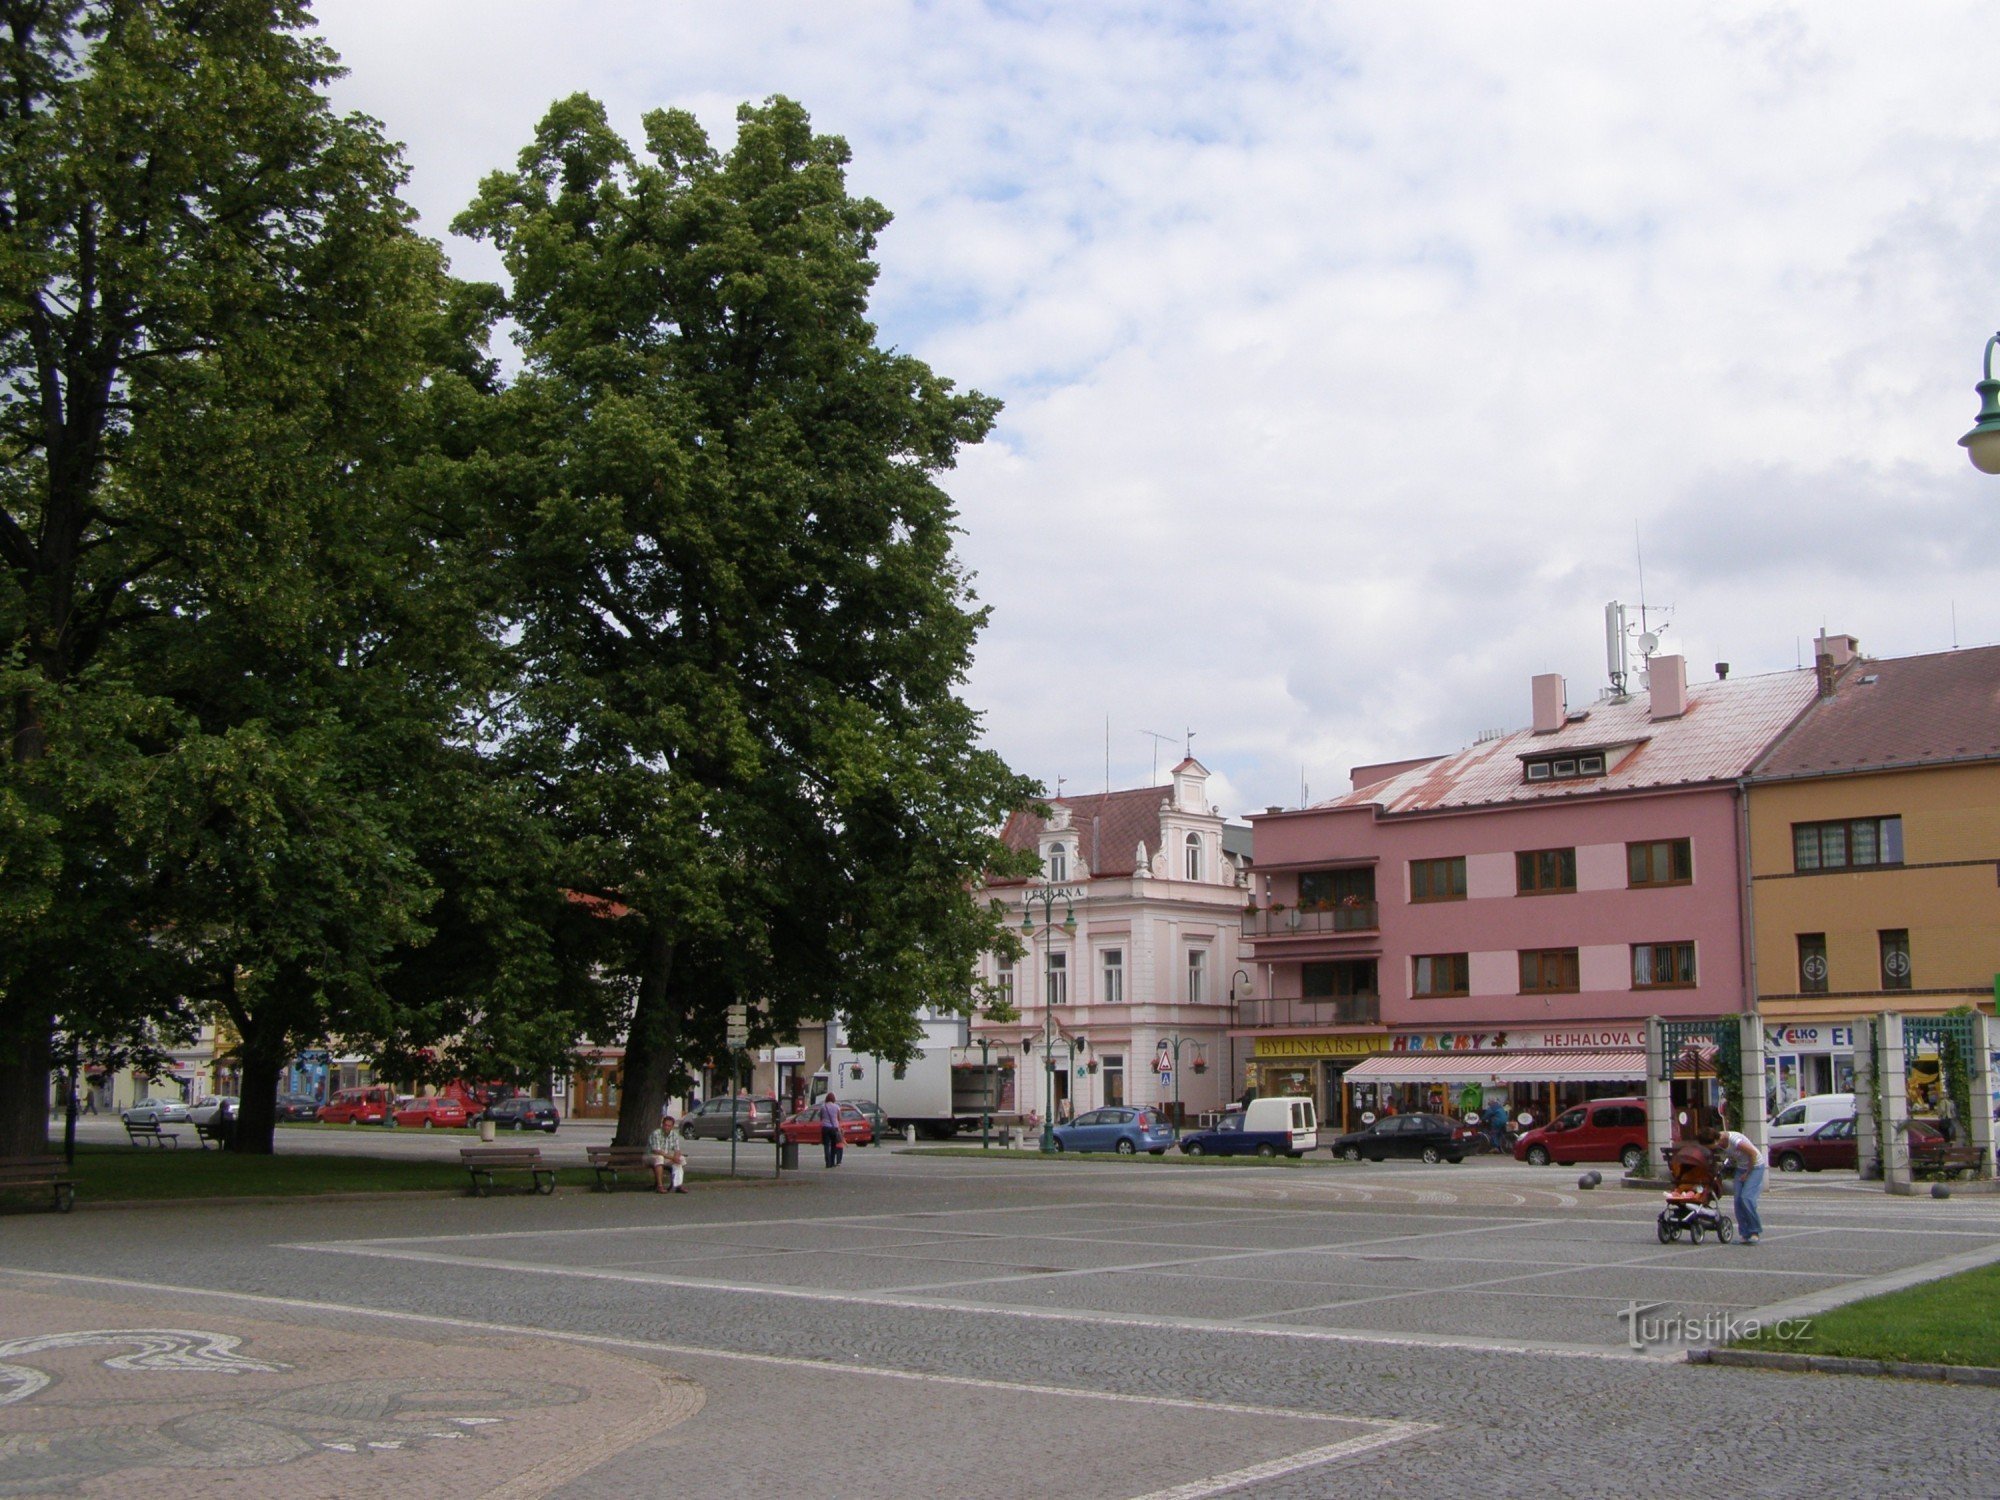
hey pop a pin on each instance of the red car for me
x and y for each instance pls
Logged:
(441, 1113)
(803, 1128)
(355, 1107)
(1832, 1145)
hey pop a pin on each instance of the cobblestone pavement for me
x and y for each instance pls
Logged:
(932, 1326)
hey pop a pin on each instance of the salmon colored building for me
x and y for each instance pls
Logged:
(1875, 855)
(1497, 924)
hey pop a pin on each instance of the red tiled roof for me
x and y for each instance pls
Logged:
(1725, 727)
(1909, 710)
(1106, 827)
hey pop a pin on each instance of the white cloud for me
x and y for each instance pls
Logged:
(1347, 348)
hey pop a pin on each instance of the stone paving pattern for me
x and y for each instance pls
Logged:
(1350, 1297)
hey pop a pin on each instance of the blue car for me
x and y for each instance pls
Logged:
(1229, 1138)
(1123, 1128)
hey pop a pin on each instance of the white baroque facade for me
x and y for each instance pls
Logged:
(1157, 903)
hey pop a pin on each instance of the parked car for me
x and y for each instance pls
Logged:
(1268, 1127)
(1834, 1145)
(297, 1107)
(155, 1111)
(1601, 1130)
(1802, 1117)
(743, 1117)
(1125, 1129)
(803, 1127)
(426, 1114)
(204, 1109)
(355, 1107)
(1419, 1137)
(878, 1123)
(523, 1113)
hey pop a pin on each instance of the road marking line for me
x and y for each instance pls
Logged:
(1278, 1468)
(1387, 1429)
(996, 1310)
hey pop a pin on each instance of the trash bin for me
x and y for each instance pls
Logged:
(788, 1156)
(486, 1130)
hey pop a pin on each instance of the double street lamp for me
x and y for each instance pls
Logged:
(1046, 898)
(1982, 444)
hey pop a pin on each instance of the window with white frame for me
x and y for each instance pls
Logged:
(1058, 862)
(1058, 979)
(1194, 856)
(1114, 976)
(1004, 983)
(1197, 976)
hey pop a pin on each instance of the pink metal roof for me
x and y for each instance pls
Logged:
(1910, 710)
(1726, 726)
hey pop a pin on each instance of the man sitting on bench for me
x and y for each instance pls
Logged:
(664, 1156)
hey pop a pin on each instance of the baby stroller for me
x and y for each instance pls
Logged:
(1692, 1200)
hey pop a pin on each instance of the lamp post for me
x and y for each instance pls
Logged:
(1046, 898)
(1173, 1042)
(1982, 444)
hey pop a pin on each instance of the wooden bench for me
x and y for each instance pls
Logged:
(609, 1161)
(22, 1173)
(483, 1161)
(210, 1134)
(150, 1132)
(1959, 1159)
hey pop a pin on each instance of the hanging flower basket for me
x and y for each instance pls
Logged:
(854, 1069)
(1200, 1067)
(1090, 1067)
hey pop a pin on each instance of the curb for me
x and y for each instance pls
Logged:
(1826, 1364)
(408, 1195)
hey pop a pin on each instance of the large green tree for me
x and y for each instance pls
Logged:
(213, 313)
(742, 628)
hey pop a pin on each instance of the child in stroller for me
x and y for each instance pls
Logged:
(1691, 1201)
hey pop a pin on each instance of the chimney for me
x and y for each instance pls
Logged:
(1551, 703)
(1722, 671)
(1829, 674)
(1840, 649)
(1669, 683)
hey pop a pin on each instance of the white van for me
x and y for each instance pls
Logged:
(1802, 1117)
(1295, 1119)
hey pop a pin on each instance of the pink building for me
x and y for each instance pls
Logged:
(1496, 925)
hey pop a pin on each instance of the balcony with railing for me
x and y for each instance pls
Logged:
(1311, 1010)
(1312, 921)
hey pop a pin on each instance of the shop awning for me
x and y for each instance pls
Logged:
(1500, 1067)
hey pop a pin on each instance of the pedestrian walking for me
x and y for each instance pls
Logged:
(829, 1131)
(1750, 1173)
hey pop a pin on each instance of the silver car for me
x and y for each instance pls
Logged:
(160, 1111)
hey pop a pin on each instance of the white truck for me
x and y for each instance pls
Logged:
(945, 1089)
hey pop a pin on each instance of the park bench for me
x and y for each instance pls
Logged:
(609, 1161)
(1958, 1159)
(150, 1133)
(483, 1161)
(23, 1173)
(210, 1134)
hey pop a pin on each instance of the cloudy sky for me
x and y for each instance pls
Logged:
(1354, 355)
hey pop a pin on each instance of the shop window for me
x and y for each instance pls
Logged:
(1662, 966)
(1113, 1064)
(1895, 958)
(1661, 862)
(1812, 963)
(1438, 879)
(1441, 974)
(1541, 872)
(1548, 971)
(1847, 844)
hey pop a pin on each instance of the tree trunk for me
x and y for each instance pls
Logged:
(652, 1046)
(25, 1028)
(257, 1105)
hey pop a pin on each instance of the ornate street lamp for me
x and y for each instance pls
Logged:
(1982, 444)
(1046, 898)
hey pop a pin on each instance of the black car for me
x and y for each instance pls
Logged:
(298, 1107)
(1415, 1137)
(523, 1113)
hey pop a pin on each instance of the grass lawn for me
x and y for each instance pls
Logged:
(110, 1174)
(1948, 1322)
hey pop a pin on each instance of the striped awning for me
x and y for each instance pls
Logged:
(1500, 1067)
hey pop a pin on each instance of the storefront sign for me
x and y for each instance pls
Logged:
(1317, 1046)
(1808, 1038)
(1570, 1039)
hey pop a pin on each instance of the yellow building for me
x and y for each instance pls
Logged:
(1875, 855)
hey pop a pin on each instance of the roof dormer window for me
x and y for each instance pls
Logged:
(1573, 767)
(1058, 862)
